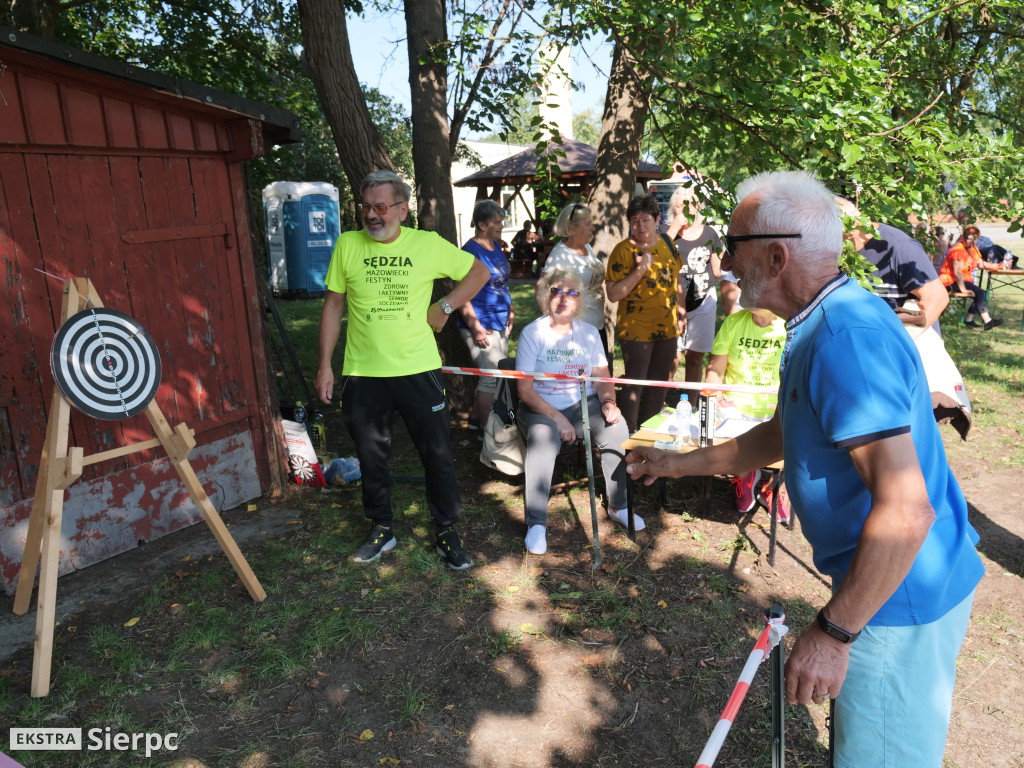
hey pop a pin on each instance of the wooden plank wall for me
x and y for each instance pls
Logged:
(83, 162)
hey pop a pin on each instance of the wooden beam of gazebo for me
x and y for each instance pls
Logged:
(520, 170)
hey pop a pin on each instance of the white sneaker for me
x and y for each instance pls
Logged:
(536, 539)
(621, 516)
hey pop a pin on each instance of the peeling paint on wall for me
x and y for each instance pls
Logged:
(117, 512)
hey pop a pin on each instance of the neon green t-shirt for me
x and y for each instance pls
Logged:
(754, 357)
(387, 288)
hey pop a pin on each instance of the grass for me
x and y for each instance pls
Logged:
(990, 363)
(296, 679)
(505, 640)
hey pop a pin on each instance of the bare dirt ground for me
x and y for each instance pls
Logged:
(524, 660)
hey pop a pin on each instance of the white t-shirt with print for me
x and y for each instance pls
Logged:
(577, 353)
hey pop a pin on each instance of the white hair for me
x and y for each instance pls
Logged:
(796, 201)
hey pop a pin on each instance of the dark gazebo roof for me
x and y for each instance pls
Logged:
(577, 166)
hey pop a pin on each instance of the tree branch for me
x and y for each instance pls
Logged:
(69, 4)
(967, 76)
(751, 130)
(916, 117)
(490, 55)
(926, 19)
(1015, 125)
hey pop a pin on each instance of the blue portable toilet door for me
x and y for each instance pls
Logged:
(321, 220)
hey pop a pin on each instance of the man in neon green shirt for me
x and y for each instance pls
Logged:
(385, 273)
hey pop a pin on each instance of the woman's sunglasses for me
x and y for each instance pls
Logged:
(567, 291)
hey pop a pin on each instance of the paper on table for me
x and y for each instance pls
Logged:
(734, 422)
(730, 423)
(661, 421)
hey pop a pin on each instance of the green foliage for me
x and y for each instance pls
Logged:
(518, 123)
(546, 190)
(854, 264)
(492, 60)
(885, 101)
(586, 127)
(253, 50)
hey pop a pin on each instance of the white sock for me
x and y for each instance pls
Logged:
(621, 516)
(536, 539)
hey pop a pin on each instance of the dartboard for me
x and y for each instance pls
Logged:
(105, 364)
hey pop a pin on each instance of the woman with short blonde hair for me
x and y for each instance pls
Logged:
(551, 410)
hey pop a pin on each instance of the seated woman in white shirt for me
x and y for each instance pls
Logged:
(551, 411)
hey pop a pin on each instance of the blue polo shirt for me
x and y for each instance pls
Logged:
(850, 374)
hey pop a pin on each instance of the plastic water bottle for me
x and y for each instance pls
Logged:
(682, 420)
(1007, 260)
(317, 431)
(299, 414)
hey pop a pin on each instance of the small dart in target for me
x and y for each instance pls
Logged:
(105, 364)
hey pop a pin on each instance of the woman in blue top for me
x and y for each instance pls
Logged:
(485, 321)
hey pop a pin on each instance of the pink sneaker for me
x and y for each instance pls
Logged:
(765, 497)
(746, 488)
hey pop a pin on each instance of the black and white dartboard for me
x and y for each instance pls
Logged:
(105, 364)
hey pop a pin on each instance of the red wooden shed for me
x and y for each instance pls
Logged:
(136, 181)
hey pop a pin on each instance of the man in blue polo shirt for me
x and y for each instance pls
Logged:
(867, 476)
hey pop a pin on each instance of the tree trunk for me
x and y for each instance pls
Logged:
(432, 159)
(329, 58)
(37, 17)
(618, 154)
(428, 85)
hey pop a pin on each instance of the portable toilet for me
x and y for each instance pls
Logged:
(303, 224)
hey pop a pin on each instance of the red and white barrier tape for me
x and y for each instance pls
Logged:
(537, 375)
(772, 635)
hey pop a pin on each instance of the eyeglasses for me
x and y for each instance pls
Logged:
(380, 209)
(731, 240)
(572, 292)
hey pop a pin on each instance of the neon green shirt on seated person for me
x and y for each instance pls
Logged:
(754, 356)
(387, 288)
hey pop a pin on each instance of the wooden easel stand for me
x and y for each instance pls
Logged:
(60, 466)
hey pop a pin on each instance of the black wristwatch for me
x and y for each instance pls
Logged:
(832, 630)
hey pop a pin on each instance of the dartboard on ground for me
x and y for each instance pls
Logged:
(105, 364)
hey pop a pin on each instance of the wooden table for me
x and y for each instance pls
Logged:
(1013, 278)
(647, 437)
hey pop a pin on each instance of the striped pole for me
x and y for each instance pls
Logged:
(773, 633)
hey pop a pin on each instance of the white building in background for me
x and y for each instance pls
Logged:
(555, 109)
(489, 152)
(556, 88)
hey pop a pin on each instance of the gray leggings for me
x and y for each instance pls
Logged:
(543, 445)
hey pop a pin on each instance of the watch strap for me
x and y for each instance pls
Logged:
(834, 630)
